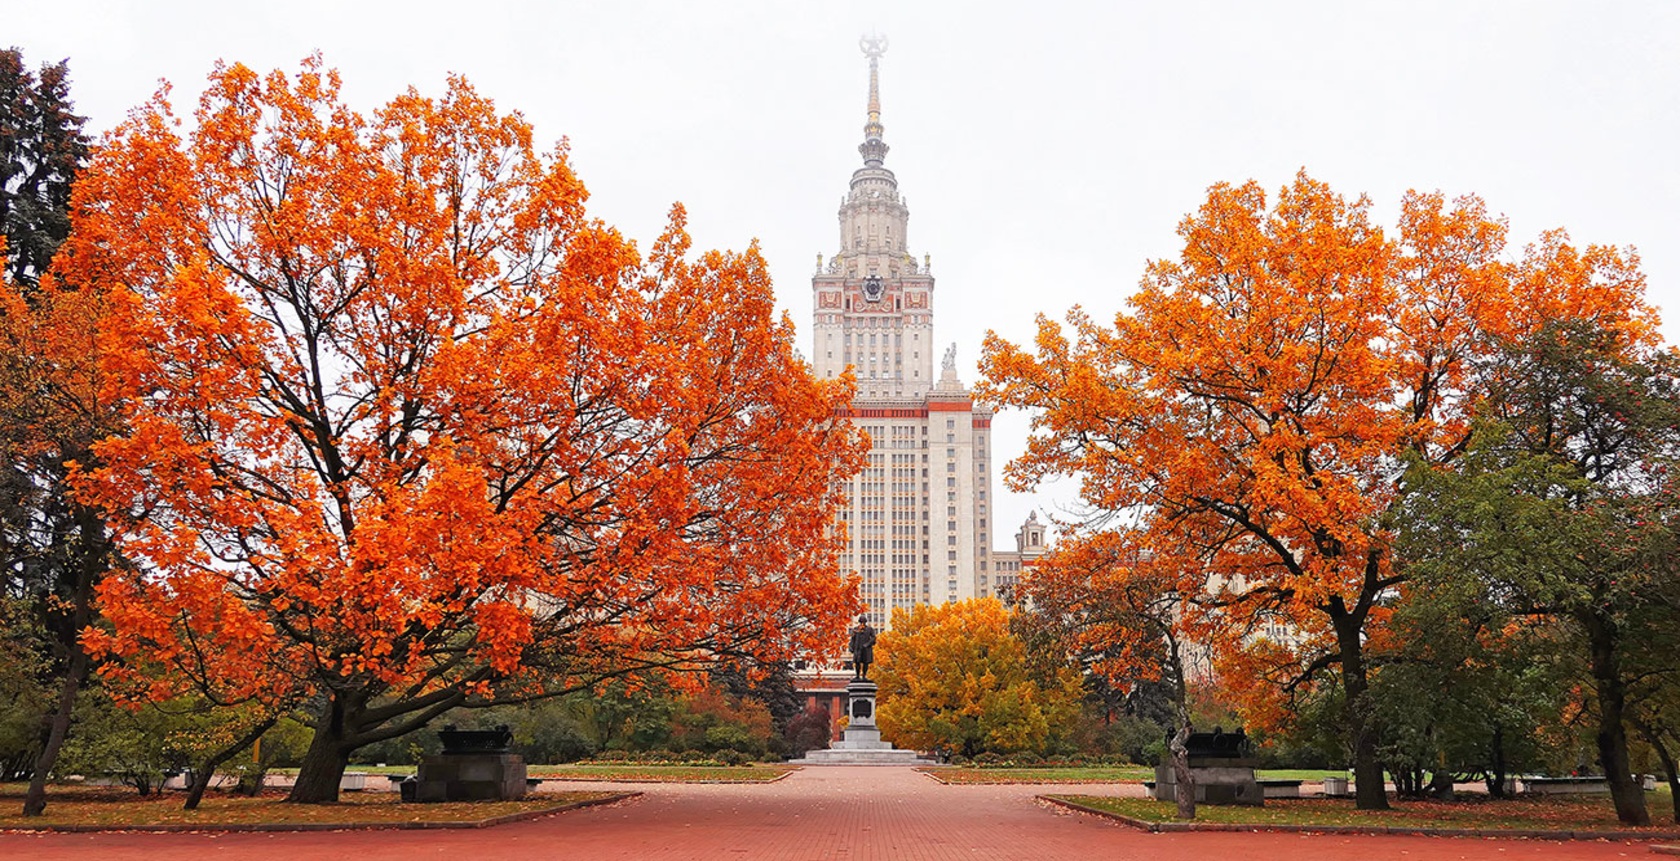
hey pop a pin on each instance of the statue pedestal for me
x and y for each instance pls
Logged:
(861, 733)
(861, 744)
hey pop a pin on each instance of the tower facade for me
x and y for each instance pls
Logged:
(918, 518)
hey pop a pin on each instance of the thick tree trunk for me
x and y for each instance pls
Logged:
(321, 770)
(1369, 791)
(1626, 792)
(207, 770)
(323, 765)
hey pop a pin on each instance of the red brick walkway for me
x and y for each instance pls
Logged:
(843, 814)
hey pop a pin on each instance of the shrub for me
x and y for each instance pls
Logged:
(809, 730)
(547, 733)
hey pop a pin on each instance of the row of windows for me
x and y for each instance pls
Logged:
(887, 339)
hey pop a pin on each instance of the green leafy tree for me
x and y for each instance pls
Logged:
(1567, 508)
(25, 690)
(1462, 694)
(712, 720)
(139, 747)
(548, 732)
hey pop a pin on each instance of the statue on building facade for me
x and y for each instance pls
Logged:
(863, 648)
(950, 365)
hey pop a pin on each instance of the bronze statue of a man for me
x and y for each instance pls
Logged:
(863, 647)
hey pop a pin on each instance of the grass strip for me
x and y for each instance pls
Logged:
(1555, 817)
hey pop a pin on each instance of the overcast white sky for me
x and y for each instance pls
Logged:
(1047, 149)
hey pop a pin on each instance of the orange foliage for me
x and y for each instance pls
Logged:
(409, 424)
(1253, 405)
(1117, 606)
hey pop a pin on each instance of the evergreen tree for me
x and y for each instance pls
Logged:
(41, 148)
(53, 548)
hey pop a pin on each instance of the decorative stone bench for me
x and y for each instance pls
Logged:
(1565, 785)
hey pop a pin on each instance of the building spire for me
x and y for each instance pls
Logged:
(873, 149)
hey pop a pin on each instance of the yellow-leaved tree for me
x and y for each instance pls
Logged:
(954, 679)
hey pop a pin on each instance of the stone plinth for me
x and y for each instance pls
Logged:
(471, 777)
(861, 744)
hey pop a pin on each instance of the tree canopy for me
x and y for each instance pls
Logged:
(412, 432)
(954, 678)
(1252, 408)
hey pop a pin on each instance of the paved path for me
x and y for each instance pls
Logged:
(828, 813)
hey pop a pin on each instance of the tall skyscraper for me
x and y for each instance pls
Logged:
(920, 516)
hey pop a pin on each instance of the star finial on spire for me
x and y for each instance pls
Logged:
(873, 149)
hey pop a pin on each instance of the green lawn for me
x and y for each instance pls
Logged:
(1097, 774)
(1555, 813)
(111, 807)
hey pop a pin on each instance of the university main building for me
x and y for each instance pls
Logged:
(920, 517)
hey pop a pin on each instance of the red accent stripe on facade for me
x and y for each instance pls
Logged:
(982, 423)
(848, 413)
(917, 413)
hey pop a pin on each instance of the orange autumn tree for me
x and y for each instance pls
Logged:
(412, 433)
(1120, 608)
(1253, 406)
